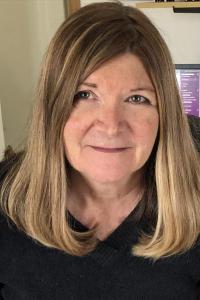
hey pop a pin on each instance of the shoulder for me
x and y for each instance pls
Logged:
(7, 163)
(194, 123)
(6, 166)
(194, 258)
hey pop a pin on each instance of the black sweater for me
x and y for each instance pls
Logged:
(31, 271)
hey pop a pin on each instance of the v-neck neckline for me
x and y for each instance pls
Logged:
(124, 235)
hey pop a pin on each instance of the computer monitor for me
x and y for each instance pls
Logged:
(188, 77)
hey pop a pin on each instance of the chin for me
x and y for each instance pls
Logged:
(106, 176)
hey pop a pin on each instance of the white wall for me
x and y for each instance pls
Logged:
(180, 31)
(25, 31)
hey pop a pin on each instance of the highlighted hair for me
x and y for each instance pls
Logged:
(35, 190)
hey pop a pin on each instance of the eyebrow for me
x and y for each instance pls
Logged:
(142, 88)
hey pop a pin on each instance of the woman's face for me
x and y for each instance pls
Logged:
(115, 107)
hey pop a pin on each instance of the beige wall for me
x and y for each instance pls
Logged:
(2, 139)
(25, 31)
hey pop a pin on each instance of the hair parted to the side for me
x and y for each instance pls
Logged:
(34, 194)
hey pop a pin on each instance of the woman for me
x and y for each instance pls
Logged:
(104, 201)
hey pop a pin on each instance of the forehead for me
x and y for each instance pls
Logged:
(123, 69)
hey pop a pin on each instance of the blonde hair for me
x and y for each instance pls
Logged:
(34, 193)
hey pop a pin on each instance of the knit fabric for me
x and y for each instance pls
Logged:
(31, 271)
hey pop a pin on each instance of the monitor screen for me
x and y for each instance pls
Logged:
(188, 77)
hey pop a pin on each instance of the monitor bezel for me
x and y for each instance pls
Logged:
(187, 66)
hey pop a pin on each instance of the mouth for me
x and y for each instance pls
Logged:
(109, 150)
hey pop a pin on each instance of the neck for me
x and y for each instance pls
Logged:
(92, 202)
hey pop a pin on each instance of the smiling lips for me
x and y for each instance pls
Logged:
(109, 150)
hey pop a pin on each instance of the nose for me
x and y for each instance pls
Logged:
(110, 118)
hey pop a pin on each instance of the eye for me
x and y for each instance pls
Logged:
(83, 95)
(138, 99)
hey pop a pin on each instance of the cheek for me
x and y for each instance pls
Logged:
(146, 130)
(70, 137)
(74, 130)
